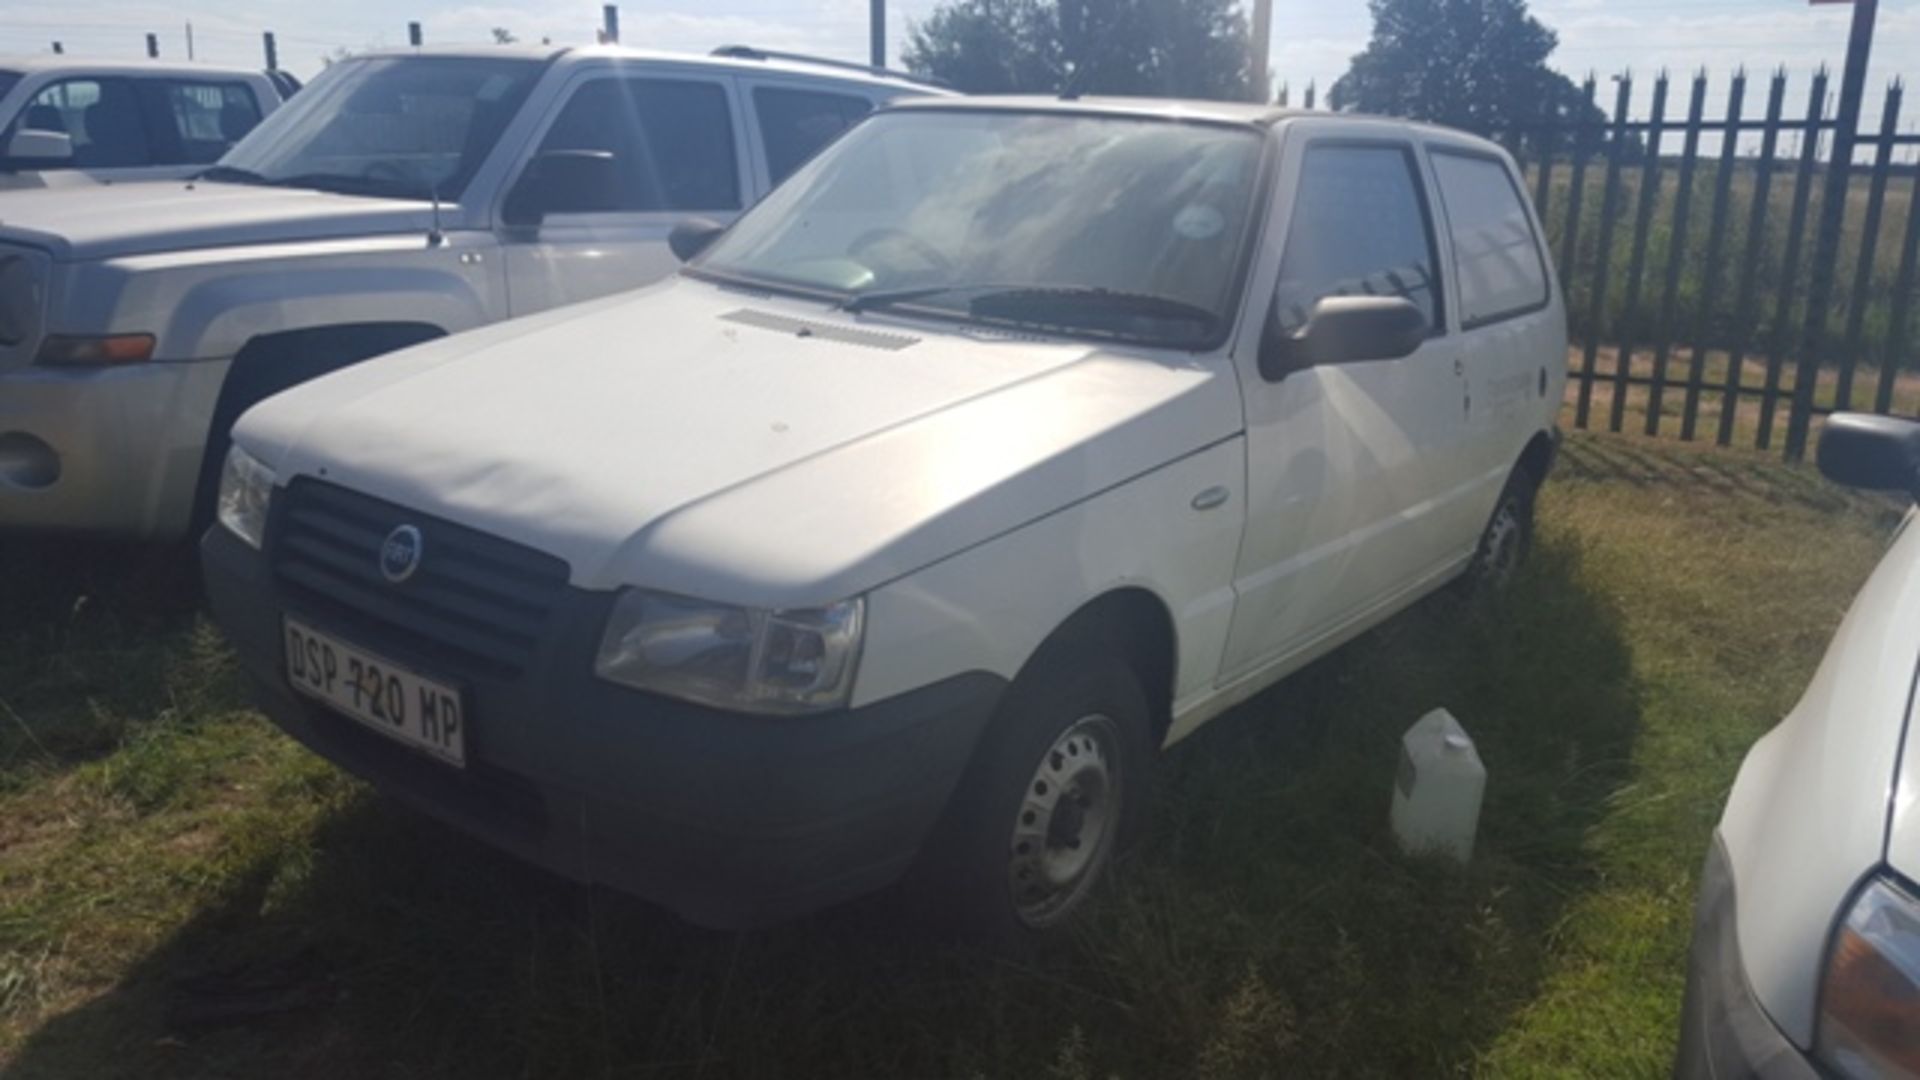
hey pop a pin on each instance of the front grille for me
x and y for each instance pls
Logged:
(477, 603)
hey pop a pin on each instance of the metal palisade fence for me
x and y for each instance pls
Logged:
(1722, 280)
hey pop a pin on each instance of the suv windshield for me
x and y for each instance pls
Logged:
(408, 127)
(1119, 227)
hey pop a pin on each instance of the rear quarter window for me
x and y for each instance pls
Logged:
(1498, 268)
(796, 124)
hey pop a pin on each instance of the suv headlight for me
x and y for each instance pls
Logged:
(751, 660)
(1870, 997)
(246, 489)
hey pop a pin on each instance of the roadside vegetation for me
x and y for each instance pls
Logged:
(184, 892)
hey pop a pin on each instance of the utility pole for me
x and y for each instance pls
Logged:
(1833, 208)
(272, 51)
(1262, 43)
(413, 34)
(189, 39)
(877, 32)
(153, 46)
(610, 24)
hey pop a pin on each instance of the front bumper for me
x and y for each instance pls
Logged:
(729, 820)
(105, 450)
(1724, 1031)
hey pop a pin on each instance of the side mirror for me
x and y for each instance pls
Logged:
(563, 182)
(31, 147)
(1878, 453)
(693, 236)
(1343, 330)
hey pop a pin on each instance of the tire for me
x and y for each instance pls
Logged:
(1058, 785)
(1508, 537)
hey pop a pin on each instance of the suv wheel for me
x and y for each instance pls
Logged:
(1058, 785)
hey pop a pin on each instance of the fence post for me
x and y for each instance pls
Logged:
(1903, 289)
(1576, 187)
(1676, 249)
(1749, 263)
(1637, 261)
(1790, 263)
(1869, 245)
(1716, 239)
(1597, 308)
(1833, 210)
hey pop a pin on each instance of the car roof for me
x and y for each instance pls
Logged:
(732, 58)
(1229, 112)
(35, 63)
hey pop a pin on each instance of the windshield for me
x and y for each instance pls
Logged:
(410, 127)
(1121, 227)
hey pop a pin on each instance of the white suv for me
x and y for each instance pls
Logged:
(1007, 441)
(401, 197)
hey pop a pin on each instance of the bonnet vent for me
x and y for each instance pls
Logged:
(868, 339)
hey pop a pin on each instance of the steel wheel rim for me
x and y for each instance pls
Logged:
(1068, 816)
(1502, 553)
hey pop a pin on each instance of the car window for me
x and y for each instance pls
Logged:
(1497, 264)
(671, 141)
(388, 126)
(1359, 229)
(195, 122)
(795, 124)
(101, 116)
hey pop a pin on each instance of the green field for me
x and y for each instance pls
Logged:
(183, 892)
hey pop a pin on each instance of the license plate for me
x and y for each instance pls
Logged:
(403, 705)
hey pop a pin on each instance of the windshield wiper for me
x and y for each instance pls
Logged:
(1039, 303)
(344, 184)
(231, 174)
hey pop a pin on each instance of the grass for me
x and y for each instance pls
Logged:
(185, 893)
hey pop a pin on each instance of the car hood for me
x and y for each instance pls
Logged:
(742, 448)
(108, 220)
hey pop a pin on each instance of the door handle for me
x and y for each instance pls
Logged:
(1212, 497)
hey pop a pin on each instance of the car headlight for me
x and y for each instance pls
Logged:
(794, 661)
(246, 489)
(1870, 998)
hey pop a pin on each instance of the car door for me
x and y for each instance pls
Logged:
(1510, 337)
(1345, 463)
(675, 148)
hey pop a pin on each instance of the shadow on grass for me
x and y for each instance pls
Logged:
(1268, 927)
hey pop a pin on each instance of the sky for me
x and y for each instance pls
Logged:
(1312, 39)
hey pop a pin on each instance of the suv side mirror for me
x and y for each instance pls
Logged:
(1343, 330)
(693, 236)
(32, 148)
(1878, 453)
(561, 182)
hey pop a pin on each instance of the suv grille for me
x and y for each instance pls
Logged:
(476, 602)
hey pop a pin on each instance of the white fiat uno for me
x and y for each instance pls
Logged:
(1006, 442)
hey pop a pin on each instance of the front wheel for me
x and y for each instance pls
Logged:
(1057, 786)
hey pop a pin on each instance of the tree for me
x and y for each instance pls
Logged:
(1169, 48)
(504, 36)
(1474, 64)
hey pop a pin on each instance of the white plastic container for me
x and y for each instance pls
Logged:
(1436, 793)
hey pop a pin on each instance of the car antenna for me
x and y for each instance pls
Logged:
(435, 235)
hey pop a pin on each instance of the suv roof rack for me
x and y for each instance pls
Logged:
(749, 52)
